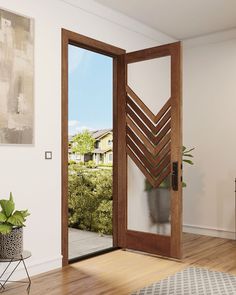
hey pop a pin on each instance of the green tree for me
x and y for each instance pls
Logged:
(83, 143)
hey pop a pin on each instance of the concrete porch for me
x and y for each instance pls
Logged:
(84, 242)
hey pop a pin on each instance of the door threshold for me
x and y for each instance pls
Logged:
(93, 254)
(154, 255)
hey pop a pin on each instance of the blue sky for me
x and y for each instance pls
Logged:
(90, 90)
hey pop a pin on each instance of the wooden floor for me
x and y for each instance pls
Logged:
(121, 272)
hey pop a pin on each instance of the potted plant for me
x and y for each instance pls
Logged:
(11, 229)
(159, 198)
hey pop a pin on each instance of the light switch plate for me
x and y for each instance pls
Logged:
(48, 155)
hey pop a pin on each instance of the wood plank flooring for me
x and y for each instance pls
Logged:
(121, 272)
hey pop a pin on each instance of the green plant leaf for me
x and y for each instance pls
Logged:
(11, 197)
(5, 228)
(184, 184)
(3, 217)
(188, 161)
(16, 219)
(188, 155)
(8, 207)
(189, 150)
(9, 217)
(183, 148)
(24, 213)
(148, 186)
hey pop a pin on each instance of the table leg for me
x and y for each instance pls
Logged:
(2, 285)
(28, 288)
(11, 274)
(3, 282)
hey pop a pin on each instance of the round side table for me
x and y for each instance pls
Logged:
(9, 261)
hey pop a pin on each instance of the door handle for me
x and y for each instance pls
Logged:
(175, 176)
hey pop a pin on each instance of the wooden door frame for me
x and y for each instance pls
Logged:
(119, 145)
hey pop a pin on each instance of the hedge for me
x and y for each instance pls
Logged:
(90, 200)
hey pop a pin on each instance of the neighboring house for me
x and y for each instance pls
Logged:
(102, 153)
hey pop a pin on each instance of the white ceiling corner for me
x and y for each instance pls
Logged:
(180, 19)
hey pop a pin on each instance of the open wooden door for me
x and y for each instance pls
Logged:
(150, 197)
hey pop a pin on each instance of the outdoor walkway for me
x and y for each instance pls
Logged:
(84, 242)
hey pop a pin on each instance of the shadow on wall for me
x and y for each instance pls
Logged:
(209, 202)
(226, 201)
(193, 193)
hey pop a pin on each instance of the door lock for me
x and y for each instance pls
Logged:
(175, 176)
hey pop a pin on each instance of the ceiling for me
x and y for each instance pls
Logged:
(180, 19)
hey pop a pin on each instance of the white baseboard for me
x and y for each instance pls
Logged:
(206, 231)
(33, 268)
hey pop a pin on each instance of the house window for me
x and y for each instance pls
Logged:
(97, 144)
(110, 157)
(110, 142)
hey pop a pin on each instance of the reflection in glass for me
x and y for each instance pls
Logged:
(148, 208)
(159, 206)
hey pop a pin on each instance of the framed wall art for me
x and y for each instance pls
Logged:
(16, 78)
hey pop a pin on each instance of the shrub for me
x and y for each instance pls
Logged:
(105, 165)
(103, 217)
(75, 168)
(90, 200)
(91, 164)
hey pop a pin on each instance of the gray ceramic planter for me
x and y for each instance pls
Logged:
(159, 205)
(11, 245)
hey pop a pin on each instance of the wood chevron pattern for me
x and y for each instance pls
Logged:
(148, 138)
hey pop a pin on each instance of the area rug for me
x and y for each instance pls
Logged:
(193, 281)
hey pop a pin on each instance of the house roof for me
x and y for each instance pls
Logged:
(100, 151)
(100, 133)
(96, 134)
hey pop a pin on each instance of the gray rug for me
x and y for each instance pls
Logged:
(193, 281)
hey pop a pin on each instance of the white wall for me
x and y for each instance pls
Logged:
(35, 182)
(209, 120)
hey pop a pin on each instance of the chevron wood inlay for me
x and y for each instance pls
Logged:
(154, 128)
(154, 169)
(155, 182)
(146, 110)
(140, 123)
(142, 146)
(148, 138)
(144, 139)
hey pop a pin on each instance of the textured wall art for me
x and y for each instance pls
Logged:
(16, 79)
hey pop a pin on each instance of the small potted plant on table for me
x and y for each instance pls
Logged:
(11, 229)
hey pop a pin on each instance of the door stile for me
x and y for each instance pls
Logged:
(122, 156)
(176, 150)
